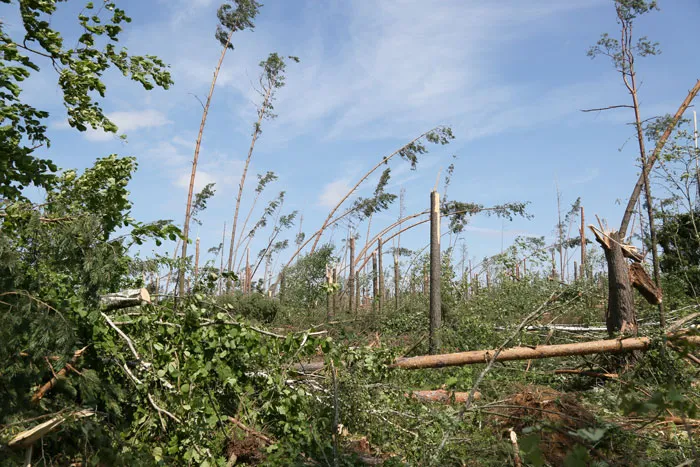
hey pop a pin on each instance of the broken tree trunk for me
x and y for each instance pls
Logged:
(620, 315)
(125, 299)
(641, 281)
(29, 437)
(532, 353)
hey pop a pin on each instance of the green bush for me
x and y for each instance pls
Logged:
(255, 306)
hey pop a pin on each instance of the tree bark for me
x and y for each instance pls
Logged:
(620, 315)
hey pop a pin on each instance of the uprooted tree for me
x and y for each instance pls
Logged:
(620, 314)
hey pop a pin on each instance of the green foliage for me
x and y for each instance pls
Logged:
(255, 306)
(304, 281)
(80, 72)
(441, 135)
(460, 212)
(235, 19)
(200, 201)
(622, 53)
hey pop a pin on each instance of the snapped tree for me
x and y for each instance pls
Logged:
(621, 315)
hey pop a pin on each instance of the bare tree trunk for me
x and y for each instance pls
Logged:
(247, 272)
(583, 244)
(375, 282)
(435, 273)
(380, 280)
(188, 207)
(196, 260)
(396, 280)
(620, 315)
(351, 277)
(241, 184)
(221, 266)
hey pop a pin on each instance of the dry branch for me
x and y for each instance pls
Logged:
(29, 437)
(592, 374)
(52, 382)
(257, 434)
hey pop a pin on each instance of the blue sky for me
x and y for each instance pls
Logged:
(509, 77)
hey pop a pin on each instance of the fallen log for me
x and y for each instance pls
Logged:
(441, 395)
(532, 353)
(125, 299)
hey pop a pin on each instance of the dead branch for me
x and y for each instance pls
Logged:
(610, 107)
(29, 437)
(161, 410)
(517, 462)
(251, 431)
(592, 374)
(52, 382)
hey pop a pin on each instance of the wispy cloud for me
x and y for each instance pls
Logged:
(126, 121)
(333, 192)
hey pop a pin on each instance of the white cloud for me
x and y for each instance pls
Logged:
(201, 180)
(129, 121)
(388, 70)
(125, 121)
(587, 176)
(333, 192)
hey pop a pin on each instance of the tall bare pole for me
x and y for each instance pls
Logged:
(435, 299)
(375, 281)
(697, 164)
(351, 277)
(198, 144)
(583, 244)
(396, 280)
(196, 259)
(380, 280)
(247, 271)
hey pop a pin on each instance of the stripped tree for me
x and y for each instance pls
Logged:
(271, 79)
(230, 20)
